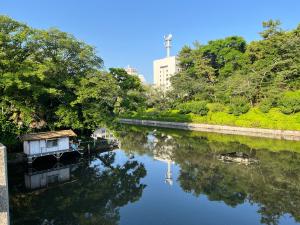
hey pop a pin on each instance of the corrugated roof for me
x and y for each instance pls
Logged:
(48, 135)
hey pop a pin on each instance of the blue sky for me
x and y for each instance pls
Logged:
(130, 32)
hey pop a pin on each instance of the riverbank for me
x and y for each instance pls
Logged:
(4, 207)
(254, 118)
(255, 132)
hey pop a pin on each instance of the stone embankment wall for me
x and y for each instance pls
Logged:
(4, 207)
(256, 132)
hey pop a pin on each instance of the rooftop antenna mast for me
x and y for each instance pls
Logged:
(168, 40)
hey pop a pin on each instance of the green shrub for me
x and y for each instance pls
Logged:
(153, 113)
(216, 107)
(9, 131)
(265, 105)
(183, 108)
(290, 102)
(196, 107)
(238, 106)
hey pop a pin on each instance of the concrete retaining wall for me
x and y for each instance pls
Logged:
(256, 132)
(4, 206)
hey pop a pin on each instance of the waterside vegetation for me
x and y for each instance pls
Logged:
(274, 119)
(232, 82)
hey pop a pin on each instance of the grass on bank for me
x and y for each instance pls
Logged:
(254, 118)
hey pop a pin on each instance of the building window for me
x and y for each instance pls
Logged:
(51, 143)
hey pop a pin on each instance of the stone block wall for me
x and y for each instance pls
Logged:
(4, 202)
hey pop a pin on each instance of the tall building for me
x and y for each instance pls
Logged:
(164, 69)
(132, 71)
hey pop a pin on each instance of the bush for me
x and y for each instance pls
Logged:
(216, 107)
(196, 107)
(238, 106)
(9, 131)
(265, 105)
(152, 112)
(290, 102)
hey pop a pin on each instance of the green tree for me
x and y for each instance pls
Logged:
(40, 72)
(49, 79)
(131, 91)
(195, 77)
(228, 68)
(225, 55)
(271, 28)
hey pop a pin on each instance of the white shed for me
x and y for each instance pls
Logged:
(47, 143)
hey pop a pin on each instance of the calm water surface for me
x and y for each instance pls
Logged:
(163, 177)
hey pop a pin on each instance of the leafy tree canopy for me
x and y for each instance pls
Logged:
(223, 70)
(49, 79)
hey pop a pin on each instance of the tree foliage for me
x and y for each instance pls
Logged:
(228, 69)
(130, 91)
(196, 107)
(50, 79)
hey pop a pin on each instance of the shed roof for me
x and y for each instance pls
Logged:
(48, 135)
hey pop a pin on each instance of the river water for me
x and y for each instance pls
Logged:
(161, 176)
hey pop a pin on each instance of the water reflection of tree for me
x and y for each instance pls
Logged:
(94, 198)
(273, 184)
(264, 184)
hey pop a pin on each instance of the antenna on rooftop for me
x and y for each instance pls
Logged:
(168, 40)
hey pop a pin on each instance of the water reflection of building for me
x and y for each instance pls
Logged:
(151, 141)
(36, 179)
(106, 134)
(168, 177)
(163, 153)
(102, 133)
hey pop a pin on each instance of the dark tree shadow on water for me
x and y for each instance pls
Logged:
(94, 196)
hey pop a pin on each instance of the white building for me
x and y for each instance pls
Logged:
(133, 71)
(41, 144)
(164, 69)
